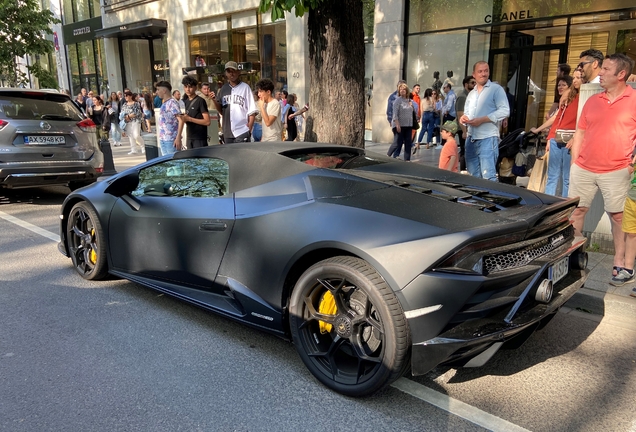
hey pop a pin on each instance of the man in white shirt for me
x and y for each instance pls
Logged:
(591, 63)
(236, 104)
(270, 111)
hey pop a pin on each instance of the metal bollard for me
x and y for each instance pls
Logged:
(150, 142)
(109, 164)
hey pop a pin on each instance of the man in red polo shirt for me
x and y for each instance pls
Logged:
(602, 150)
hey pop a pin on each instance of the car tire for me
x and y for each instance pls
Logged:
(85, 242)
(73, 186)
(364, 344)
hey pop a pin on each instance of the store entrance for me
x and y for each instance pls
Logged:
(528, 74)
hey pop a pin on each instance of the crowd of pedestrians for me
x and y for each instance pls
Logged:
(593, 153)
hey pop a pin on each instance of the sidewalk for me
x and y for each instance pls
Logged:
(597, 297)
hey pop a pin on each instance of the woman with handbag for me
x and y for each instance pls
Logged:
(403, 113)
(131, 117)
(563, 126)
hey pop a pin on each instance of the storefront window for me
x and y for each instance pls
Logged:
(209, 49)
(437, 52)
(260, 51)
(82, 10)
(274, 53)
(138, 68)
(160, 65)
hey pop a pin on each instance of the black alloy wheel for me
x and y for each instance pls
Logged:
(85, 242)
(349, 327)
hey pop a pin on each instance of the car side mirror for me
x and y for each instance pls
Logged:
(124, 184)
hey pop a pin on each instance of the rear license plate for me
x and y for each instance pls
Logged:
(559, 270)
(44, 139)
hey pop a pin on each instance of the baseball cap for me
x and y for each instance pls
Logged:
(450, 126)
(231, 65)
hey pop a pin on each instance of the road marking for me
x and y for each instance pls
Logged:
(36, 229)
(456, 407)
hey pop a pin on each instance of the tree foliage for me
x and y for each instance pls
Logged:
(23, 29)
(46, 78)
(336, 63)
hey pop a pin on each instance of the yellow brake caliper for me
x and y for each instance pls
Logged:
(93, 254)
(327, 306)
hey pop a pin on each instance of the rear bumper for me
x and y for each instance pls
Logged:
(472, 342)
(14, 176)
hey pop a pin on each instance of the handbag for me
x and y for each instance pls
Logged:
(122, 124)
(539, 174)
(416, 124)
(563, 135)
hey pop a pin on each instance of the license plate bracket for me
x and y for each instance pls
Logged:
(44, 139)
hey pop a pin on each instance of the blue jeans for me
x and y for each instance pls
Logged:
(428, 124)
(167, 147)
(558, 169)
(481, 157)
(403, 140)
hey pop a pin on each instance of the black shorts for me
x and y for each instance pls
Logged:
(196, 143)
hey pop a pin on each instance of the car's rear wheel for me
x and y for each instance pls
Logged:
(85, 242)
(349, 327)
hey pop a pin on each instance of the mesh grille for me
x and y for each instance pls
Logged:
(523, 256)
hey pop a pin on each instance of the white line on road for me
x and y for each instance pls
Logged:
(36, 229)
(440, 400)
(456, 407)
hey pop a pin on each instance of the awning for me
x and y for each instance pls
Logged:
(146, 29)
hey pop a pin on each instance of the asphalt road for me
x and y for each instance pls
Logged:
(113, 356)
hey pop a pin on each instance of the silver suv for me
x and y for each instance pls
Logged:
(45, 139)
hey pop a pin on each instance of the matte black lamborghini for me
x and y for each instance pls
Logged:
(371, 266)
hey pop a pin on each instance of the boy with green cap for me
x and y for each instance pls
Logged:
(449, 157)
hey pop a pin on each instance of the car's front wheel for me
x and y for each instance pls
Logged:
(85, 242)
(349, 327)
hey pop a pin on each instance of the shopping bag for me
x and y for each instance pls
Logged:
(539, 174)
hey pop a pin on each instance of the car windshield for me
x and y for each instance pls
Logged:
(38, 106)
(335, 159)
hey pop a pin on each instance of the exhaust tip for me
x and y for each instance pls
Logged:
(544, 292)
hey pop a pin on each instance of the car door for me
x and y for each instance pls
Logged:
(175, 225)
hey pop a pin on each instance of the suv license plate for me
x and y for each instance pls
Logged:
(44, 139)
(559, 270)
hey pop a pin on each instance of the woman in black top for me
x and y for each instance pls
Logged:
(100, 116)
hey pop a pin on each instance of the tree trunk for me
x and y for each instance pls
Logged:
(336, 63)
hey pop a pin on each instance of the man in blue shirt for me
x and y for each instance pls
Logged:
(486, 105)
(389, 105)
(448, 110)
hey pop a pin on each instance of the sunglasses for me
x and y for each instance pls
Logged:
(473, 82)
(584, 63)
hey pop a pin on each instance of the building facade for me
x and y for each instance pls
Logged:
(522, 40)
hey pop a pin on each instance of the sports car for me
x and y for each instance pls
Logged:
(371, 266)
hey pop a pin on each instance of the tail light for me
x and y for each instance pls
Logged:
(3, 123)
(87, 125)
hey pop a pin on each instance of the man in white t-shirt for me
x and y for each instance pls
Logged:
(270, 111)
(236, 104)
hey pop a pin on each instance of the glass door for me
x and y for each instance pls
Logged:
(529, 77)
